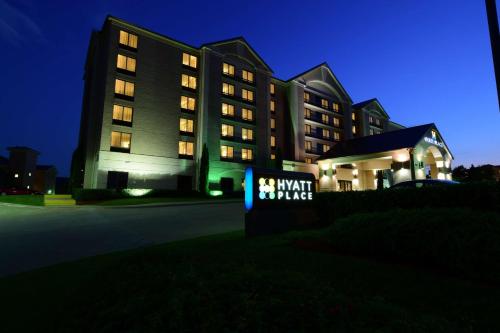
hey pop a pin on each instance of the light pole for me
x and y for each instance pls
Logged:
(491, 10)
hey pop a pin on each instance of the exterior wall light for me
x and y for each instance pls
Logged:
(16, 175)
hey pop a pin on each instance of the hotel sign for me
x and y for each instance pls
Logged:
(433, 140)
(273, 188)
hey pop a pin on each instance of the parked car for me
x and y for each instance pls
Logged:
(424, 183)
(17, 191)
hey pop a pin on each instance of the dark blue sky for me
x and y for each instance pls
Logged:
(425, 60)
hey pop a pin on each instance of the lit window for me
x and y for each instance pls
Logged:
(307, 113)
(188, 103)
(307, 97)
(186, 125)
(273, 123)
(324, 103)
(226, 152)
(120, 140)
(336, 122)
(370, 119)
(272, 106)
(186, 148)
(371, 131)
(308, 145)
(336, 136)
(326, 133)
(227, 109)
(273, 156)
(309, 160)
(246, 154)
(247, 76)
(227, 130)
(122, 113)
(124, 88)
(377, 121)
(188, 81)
(272, 88)
(247, 114)
(307, 128)
(189, 60)
(335, 106)
(125, 63)
(353, 129)
(228, 69)
(247, 95)
(247, 134)
(353, 116)
(326, 148)
(324, 118)
(128, 39)
(227, 89)
(273, 141)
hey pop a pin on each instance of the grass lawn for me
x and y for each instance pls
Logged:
(226, 283)
(152, 200)
(32, 200)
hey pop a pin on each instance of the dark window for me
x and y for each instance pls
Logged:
(117, 180)
(227, 184)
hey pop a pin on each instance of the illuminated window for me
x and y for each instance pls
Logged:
(247, 114)
(189, 60)
(186, 125)
(272, 88)
(228, 69)
(308, 145)
(308, 160)
(186, 148)
(124, 88)
(273, 141)
(120, 140)
(188, 81)
(227, 109)
(247, 134)
(272, 106)
(324, 103)
(335, 107)
(226, 152)
(370, 119)
(227, 130)
(307, 97)
(326, 148)
(324, 118)
(353, 116)
(122, 113)
(326, 133)
(246, 154)
(273, 123)
(353, 129)
(336, 136)
(247, 95)
(188, 103)
(247, 76)
(371, 131)
(128, 39)
(126, 63)
(227, 89)
(307, 113)
(273, 156)
(377, 121)
(336, 122)
(307, 129)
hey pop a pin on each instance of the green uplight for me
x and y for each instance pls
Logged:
(215, 193)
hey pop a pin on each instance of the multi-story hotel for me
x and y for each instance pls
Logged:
(151, 103)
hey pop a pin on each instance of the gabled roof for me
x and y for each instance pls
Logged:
(399, 139)
(243, 41)
(327, 67)
(363, 104)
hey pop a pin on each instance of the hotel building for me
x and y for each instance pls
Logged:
(151, 103)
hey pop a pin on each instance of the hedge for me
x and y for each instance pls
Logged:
(334, 205)
(459, 240)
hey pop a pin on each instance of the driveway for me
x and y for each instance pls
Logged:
(32, 237)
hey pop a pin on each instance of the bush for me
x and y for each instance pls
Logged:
(463, 241)
(335, 205)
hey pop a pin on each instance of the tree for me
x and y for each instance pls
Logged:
(204, 167)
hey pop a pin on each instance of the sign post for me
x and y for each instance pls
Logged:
(278, 201)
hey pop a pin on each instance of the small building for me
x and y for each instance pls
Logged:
(45, 179)
(385, 159)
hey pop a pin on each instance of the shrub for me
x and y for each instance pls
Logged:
(460, 240)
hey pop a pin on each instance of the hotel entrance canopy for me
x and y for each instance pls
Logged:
(411, 153)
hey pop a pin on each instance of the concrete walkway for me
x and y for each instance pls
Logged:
(32, 237)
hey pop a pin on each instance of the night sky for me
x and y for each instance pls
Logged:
(425, 60)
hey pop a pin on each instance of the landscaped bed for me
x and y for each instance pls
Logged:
(227, 283)
(28, 199)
